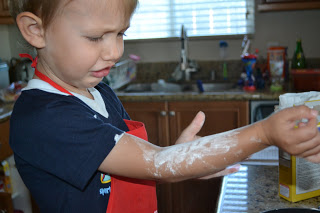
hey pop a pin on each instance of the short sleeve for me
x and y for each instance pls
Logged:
(63, 137)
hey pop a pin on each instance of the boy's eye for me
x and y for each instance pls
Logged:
(94, 39)
(122, 34)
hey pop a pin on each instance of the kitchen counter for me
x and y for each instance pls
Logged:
(6, 108)
(254, 189)
(5, 111)
(196, 96)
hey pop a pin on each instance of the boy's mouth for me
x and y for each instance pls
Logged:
(101, 73)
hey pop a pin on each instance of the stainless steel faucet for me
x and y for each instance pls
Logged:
(185, 64)
(184, 49)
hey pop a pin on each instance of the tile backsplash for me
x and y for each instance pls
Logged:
(151, 72)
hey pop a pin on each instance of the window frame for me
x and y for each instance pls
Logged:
(205, 37)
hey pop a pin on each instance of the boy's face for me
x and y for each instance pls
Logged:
(84, 41)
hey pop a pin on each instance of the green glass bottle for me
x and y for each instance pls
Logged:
(298, 60)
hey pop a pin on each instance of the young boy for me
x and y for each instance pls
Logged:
(72, 137)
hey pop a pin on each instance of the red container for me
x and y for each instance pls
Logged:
(306, 79)
(277, 62)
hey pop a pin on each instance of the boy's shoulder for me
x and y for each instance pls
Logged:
(106, 91)
(104, 88)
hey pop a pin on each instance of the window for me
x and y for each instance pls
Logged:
(164, 18)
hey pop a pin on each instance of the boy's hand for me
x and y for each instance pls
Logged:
(281, 129)
(229, 170)
(190, 133)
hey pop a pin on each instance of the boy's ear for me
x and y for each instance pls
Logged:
(31, 29)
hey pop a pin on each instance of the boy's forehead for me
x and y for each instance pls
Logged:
(95, 5)
(97, 11)
(96, 8)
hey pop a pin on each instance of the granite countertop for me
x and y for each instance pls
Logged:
(5, 110)
(196, 96)
(255, 189)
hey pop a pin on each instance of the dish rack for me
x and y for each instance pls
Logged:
(121, 74)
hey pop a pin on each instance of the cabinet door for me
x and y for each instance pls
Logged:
(154, 116)
(5, 150)
(201, 196)
(221, 116)
(4, 8)
(277, 5)
(6, 202)
(5, 17)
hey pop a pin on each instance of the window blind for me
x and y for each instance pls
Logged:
(164, 18)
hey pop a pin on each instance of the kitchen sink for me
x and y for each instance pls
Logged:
(176, 88)
(213, 87)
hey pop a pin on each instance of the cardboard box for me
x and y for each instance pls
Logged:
(5, 179)
(299, 179)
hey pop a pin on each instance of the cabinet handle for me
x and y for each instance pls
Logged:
(163, 113)
(172, 113)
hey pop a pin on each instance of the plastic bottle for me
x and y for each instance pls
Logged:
(223, 54)
(298, 60)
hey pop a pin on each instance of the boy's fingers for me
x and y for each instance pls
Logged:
(194, 127)
(300, 112)
(196, 124)
(310, 152)
(307, 132)
(314, 158)
(227, 171)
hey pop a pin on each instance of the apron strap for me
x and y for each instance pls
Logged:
(43, 76)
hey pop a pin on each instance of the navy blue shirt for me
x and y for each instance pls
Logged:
(59, 142)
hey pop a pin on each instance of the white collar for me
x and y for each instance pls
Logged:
(97, 104)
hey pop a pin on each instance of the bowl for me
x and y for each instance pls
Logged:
(293, 210)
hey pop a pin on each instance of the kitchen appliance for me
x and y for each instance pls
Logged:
(293, 210)
(21, 70)
(4, 75)
(259, 110)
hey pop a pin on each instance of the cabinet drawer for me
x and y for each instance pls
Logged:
(5, 150)
(6, 202)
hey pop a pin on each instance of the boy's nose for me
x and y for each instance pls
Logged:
(112, 51)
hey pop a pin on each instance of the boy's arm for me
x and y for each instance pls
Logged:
(134, 157)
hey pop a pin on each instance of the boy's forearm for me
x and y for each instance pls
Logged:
(136, 158)
(206, 155)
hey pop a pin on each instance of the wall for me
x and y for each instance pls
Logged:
(17, 43)
(5, 50)
(281, 27)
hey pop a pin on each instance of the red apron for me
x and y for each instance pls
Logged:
(133, 195)
(127, 194)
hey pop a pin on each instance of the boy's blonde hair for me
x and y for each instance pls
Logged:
(47, 9)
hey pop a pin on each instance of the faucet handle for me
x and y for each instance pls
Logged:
(188, 71)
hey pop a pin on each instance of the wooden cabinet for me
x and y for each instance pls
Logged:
(164, 122)
(6, 202)
(220, 116)
(201, 196)
(278, 5)
(5, 17)
(5, 150)
(154, 116)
